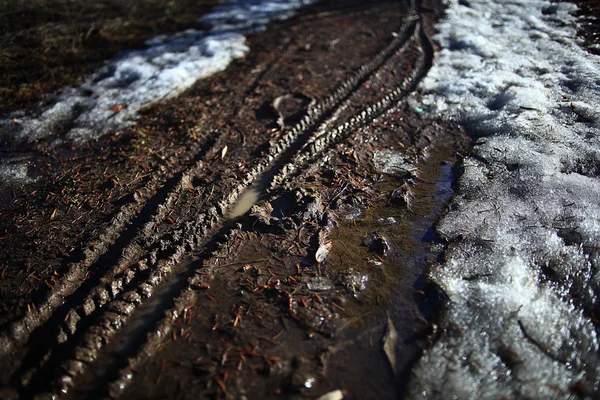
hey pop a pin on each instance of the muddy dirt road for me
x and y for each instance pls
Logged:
(265, 233)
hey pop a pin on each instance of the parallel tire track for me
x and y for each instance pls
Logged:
(97, 309)
(149, 205)
(309, 153)
(88, 296)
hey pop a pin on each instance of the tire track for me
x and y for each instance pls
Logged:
(327, 136)
(78, 295)
(149, 203)
(313, 149)
(88, 327)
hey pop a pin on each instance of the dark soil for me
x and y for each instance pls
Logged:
(589, 24)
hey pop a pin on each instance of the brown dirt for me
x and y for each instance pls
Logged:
(79, 189)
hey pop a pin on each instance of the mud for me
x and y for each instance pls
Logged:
(588, 24)
(137, 266)
(261, 317)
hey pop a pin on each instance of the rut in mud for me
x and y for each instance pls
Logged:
(186, 292)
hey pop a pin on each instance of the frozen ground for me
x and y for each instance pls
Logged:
(112, 96)
(522, 267)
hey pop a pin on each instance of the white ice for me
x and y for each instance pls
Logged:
(522, 269)
(111, 98)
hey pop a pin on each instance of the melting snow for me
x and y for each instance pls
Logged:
(525, 228)
(13, 170)
(522, 273)
(112, 96)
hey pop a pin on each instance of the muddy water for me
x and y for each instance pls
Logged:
(265, 319)
(409, 233)
(396, 284)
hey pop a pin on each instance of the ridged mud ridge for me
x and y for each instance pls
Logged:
(325, 136)
(85, 313)
(87, 299)
(131, 217)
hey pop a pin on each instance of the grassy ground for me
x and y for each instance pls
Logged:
(49, 44)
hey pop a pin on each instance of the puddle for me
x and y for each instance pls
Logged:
(396, 284)
(394, 277)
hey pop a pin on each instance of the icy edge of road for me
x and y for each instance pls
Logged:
(111, 98)
(522, 265)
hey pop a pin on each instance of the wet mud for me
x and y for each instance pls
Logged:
(265, 234)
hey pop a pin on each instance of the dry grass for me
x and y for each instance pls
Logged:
(48, 44)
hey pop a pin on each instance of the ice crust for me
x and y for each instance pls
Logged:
(14, 170)
(521, 270)
(111, 98)
(392, 162)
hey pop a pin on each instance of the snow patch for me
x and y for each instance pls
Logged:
(14, 170)
(111, 98)
(522, 270)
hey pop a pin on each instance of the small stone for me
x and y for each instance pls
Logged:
(392, 163)
(353, 213)
(389, 221)
(378, 243)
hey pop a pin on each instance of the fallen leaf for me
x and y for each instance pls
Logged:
(390, 344)
(333, 395)
(223, 152)
(117, 108)
(322, 252)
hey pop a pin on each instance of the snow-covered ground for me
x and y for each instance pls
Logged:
(111, 98)
(522, 268)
